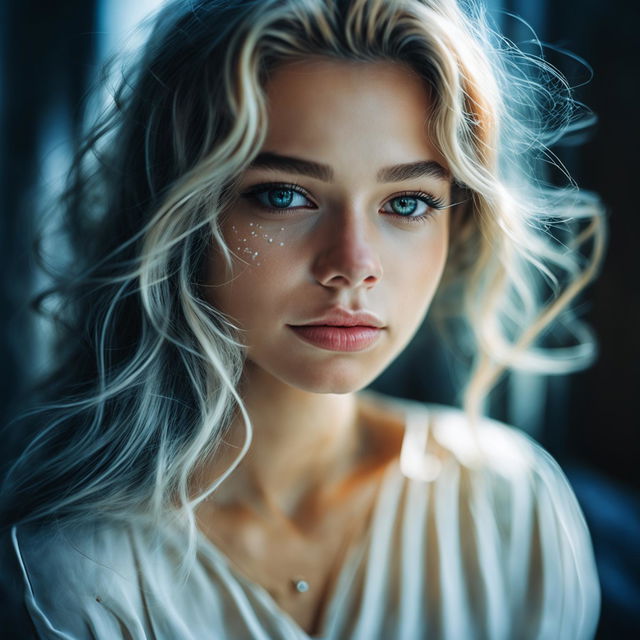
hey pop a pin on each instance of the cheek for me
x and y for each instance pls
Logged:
(417, 275)
(438, 246)
(436, 255)
(260, 260)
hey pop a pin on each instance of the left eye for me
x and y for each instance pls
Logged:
(408, 206)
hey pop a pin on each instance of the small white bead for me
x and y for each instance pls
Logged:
(301, 586)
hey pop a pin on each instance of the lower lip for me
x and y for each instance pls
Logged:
(338, 338)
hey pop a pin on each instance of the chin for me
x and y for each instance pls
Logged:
(338, 378)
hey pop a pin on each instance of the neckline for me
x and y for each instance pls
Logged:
(352, 560)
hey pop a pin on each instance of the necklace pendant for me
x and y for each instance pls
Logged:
(300, 585)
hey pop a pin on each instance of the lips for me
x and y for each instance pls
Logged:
(341, 330)
(343, 318)
(335, 338)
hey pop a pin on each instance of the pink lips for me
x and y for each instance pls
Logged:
(341, 331)
(338, 338)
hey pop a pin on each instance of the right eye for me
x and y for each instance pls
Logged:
(280, 197)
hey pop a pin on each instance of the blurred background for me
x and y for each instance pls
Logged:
(50, 54)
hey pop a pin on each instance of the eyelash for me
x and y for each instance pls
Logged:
(434, 204)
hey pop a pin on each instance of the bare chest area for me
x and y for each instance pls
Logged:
(298, 562)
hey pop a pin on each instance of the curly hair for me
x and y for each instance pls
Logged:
(147, 371)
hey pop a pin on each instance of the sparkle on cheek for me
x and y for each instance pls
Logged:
(246, 245)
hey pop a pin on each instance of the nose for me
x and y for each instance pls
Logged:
(348, 258)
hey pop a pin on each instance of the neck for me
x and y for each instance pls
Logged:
(301, 441)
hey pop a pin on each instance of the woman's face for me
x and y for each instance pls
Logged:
(340, 229)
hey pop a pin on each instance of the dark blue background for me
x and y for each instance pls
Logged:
(589, 421)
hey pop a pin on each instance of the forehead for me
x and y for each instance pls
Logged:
(344, 72)
(352, 108)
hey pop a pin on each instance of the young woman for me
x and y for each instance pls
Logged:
(259, 228)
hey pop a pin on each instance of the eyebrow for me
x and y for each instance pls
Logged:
(394, 173)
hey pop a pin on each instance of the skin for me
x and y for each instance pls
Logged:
(318, 450)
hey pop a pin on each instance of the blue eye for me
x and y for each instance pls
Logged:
(280, 197)
(413, 205)
(405, 206)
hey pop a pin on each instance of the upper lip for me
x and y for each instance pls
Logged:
(344, 318)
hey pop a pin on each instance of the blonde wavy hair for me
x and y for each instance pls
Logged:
(147, 371)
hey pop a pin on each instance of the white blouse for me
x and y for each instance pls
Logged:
(460, 547)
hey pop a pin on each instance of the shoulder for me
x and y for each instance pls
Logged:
(491, 458)
(489, 447)
(78, 581)
(521, 502)
(429, 432)
(500, 503)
